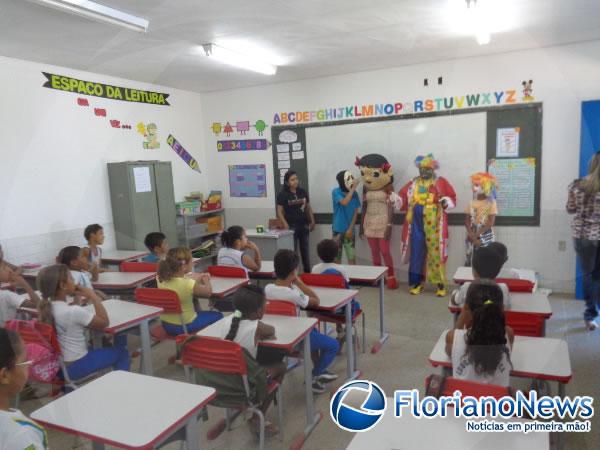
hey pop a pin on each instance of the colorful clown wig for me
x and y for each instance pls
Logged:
(427, 162)
(487, 182)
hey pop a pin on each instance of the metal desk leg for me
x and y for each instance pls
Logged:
(146, 348)
(192, 437)
(383, 335)
(351, 373)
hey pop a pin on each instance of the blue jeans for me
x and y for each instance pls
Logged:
(97, 359)
(202, 320)
(588, 253)
(418, 248)
(327, 348)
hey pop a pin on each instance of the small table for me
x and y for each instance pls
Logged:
(124, 316)
(524, 302)
(464, 274)
(410, 433)
(271, 241)
(116, 257)
(129, 410)
(359, 276)
(223, 286)
(532, 357)
(289, 331)
(330, 300)
(122, 281)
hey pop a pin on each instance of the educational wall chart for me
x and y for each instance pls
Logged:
(242, 145)
(242, 127)
(507, 142)
(183, 154)
(516, 185)
(247, 180)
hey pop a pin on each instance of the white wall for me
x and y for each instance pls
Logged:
(53, 176)
(563, 77)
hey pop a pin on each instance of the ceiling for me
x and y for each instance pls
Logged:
(307, 38)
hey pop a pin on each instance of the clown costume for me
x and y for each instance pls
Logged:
(481, 213)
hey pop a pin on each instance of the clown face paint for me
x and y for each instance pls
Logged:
(348, 180)
(426, 173)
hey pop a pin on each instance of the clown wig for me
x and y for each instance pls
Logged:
(427, 162)
(487, 182)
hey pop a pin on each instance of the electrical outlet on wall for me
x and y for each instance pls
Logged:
(562, 246)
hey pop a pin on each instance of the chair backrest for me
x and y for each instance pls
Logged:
(281, 308)
(525, 324)
(166, 299)
(44, 334)
(516, 285)
(322, 280)
(227, 272)
(216, 355)
(473, 388)
(135, 266)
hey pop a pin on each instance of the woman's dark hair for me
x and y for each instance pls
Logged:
(10, 346)
(327, 250)
(91, 229)
(486, 338)
(154, 239)
(286, 179)
(67, 255)
(231, 234)
(247, 300)
(285, 262)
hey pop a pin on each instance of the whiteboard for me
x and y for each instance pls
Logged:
(458, 142)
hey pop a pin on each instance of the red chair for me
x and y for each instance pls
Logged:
(134, 266)
(526, 324)
(227, 272)
(168, 300)
(516, 285)
(472, 388)
(281, 308)
(227, 357)
(334, 281)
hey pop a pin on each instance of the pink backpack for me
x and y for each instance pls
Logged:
(45, 362)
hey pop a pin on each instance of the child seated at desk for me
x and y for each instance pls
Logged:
(94, 235)
(70, 322)
(157, 243)
(289, 287)
(17, 431)
(234, 250)
(73, 258)
(11, 301)
(5, 264)
(173, 273)
(481, 344)
(487, 262)
(245, 327)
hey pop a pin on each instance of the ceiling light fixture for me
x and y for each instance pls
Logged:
(478, 22)
(240, 60)
(99, 13)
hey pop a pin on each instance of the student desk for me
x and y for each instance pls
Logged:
(289, 332)
(129, 410)
(122, 281)
(223, 286)
(532, 357)
(524, 302)
(116, 257)
(123, 316)
(410, 433)
(464, 274)
(359, 276)
(271, 241)
(330, 300)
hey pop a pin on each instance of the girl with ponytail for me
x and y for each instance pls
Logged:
(234, 251)
(481, 351)
(71, 320)
(175, 272)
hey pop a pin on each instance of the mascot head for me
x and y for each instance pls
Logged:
(484, 183)
(376, 172)
(427, 166)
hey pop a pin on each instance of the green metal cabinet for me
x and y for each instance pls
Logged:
(142, 199)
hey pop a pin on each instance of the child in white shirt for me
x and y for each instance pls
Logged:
(11, 301)
(234, 250)
(82, 272)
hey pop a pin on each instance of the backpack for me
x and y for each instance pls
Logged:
(45, 362)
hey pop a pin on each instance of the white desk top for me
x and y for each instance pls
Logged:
(532, 357)
(332, 299)
(367, 274)
(268, 234)
(123, 315)
(464, 273)
(409, 433)
(222, 286)
(288, 330)
(122, 280)
(267, 268)
(524, 302)
(126, 409)
(119, 256)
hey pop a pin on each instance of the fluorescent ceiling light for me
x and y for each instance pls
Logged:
(97, 12)
(240, 60)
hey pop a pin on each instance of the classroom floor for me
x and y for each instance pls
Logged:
(414, 324)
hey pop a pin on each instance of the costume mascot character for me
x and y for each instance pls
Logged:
(379, 202)
(426, 199)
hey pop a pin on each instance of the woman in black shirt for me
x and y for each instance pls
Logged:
(295, 213)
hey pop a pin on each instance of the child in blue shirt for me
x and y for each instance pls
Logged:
(157, 243)
(346, 205)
